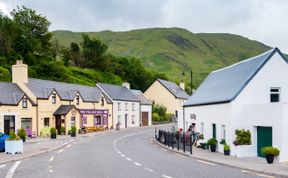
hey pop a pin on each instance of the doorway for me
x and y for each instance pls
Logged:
(58, 123)
(144, 118)
(214, 130)
(9, 124)
(126, 117)
(264, 138)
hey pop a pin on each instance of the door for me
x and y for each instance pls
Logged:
(144, 118)
(264, 138)
(9, 124)
(126, 116)
(214, 130)
(58, 123)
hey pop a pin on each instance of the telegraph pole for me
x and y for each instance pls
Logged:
(191, 82)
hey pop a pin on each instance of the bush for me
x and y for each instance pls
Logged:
(73, 129)
(22, 133)
(12, 136)
(160, 109)
(168, 117)
(155, 117)
(243, 137)
(62, 129)
(226, 147)
(53, 131)
(212, 141)
(223, 142)
(269, 150)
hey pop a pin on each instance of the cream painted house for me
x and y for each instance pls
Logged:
(87, 106)
(168, 94)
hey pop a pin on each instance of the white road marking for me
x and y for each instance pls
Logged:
(150, 170)
(12, 169)
(257, 174)
(68, 146)
(137, 164)
(50, 169)
(122, 155)
(60, 151)
(263, 175)
(205, 162)
(129, 159)
(3, 165)
(119, 152)
(52, 158)
(166, 176)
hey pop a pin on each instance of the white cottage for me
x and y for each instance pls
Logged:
(251, 95)
(145, 108)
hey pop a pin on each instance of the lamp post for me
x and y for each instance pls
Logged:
(191, 81)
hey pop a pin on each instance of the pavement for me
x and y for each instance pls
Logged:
(255, 164)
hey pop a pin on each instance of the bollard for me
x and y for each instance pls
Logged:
(178, 138)
(184, 144)
(172, 135)
(191, 143)
(168, 139)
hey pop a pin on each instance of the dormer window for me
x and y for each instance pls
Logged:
(24, 103)
(77, 99)
(53, 98)
(102, 101)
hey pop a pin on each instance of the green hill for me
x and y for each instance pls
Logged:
(174, 50)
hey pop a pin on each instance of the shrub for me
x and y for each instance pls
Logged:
(243, 137)
(226, 147)
(53, 131)
(12, 136)
(21, 133)
(73, 129)
(155, 117)
(269, 150)
(168, 117)
(223, 142)
(212, 141)
(62, 129)
(160, 109)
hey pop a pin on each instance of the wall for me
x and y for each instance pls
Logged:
(68, 121)
(147, 108)
(158, 93)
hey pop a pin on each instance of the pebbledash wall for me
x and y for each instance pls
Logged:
(250, 109)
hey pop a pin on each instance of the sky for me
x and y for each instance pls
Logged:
(261, 20)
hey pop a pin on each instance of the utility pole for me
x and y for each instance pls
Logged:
(191, 82)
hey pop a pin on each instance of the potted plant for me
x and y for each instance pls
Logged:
(212, 142)
(223, 141)
(13, 144)
(270, 152)
(226, 149)
(73, 131)
(53, 133)
(22, 134)
(62, 130)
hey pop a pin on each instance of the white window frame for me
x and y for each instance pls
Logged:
(119, 106)
(126, 106)
(275, 92)
(53, 96)
(223, 131)
(133, 106)
(25, 103)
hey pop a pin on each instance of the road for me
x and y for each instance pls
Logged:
(125, 154)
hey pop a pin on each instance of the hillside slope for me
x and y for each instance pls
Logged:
(174, 50)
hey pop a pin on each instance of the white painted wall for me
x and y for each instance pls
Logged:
(17, 120)
(129, 112)
(147, 108)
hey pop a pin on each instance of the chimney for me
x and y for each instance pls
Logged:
(127, 85)
(182, 85)
(19, 72)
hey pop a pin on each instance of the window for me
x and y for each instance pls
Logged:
(97, 120)
(24, 103)
(214, 130)
(46, 122)
(119, 106)
(53, 98)
(133, 119)
(26, 123)
(77, 99)
(126, 106)
(202, 128)
(274, 95)
(119, 118)
(223, 132)
(72, 121)
(102, 101)
(133, 106)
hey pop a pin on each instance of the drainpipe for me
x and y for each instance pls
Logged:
(183, 119)
(37, 123)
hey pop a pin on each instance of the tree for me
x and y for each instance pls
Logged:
(75, 53)
(35, 36)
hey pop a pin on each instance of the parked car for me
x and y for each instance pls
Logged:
(2, 141)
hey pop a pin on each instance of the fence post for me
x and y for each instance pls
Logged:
(178, 138)
(191, 143)
(184, 143)
(172, 135)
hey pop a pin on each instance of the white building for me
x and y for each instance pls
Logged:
(251, 95)
(126, 106)
(145, 108)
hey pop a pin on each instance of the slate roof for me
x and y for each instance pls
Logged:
(174, 89)
(10, 93)
(224, 85)
(118, 92)
(43, 88)
(63, 109)
(141, 97)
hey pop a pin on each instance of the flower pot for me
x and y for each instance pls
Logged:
(213, 148)
(53, 136)
(13, 146)
(73, 134)
(203, 146)
(227, 152)
(24, 139)
(270, 159)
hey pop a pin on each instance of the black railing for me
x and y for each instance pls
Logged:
(183, 141)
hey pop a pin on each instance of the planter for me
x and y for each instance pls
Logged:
(270, 159)
(53, 136)
(73, 134)
(213, 148)
(227, 152)
(24, 139)
(203, 146)
(13, 146)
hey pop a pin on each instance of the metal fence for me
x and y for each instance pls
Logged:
(176, 140)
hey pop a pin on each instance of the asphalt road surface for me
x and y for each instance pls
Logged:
(126, 154)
